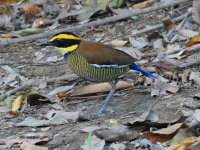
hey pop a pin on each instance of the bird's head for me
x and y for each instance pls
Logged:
(65, 42)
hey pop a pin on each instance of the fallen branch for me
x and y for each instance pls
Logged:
(32, 63)
(156, 27)
(73, 28)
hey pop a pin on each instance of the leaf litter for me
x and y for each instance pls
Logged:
(172, 56)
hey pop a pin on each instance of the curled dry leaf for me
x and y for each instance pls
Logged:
(183, 140)
(100, 87)
(193, 40)
(164, 134)
(39, 99)
(17, 104)
(184, 134)
(119, 43)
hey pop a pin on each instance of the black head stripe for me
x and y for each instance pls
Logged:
(63, 43)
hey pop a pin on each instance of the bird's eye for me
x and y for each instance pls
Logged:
(58, 41)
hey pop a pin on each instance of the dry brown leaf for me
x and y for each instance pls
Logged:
(193, 40)
(184, 144)
(31, 9)
(164, 134)
(167, 64)
(99, 87)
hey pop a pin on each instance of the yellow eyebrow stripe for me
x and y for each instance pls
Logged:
(64, 36)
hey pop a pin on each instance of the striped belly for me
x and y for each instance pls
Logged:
(82, 68)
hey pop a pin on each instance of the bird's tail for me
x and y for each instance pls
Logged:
(144, 72)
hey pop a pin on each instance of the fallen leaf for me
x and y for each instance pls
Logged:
(28, 146)
(60, 117)
(193, 40)
(167, 64)
(138, 42)
(39, 99)
(164, 134)
(11, 142)
(118, 43)
(117, 134)
(17, 104)
(184, 144)
(32, 122)
(55, 117)
(100, 87)
(184, 134)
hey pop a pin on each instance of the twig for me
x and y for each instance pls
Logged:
(17, 89)
(69, 77)
(32, 63)
(156, 27)
(73, 28)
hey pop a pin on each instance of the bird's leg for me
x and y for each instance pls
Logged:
(103, 105)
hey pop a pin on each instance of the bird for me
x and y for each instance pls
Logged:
(94, 61)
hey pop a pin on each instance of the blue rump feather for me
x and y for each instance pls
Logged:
(146, 73)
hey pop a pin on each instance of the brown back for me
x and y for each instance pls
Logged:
(98, 53)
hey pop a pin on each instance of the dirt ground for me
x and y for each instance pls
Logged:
(125, 105)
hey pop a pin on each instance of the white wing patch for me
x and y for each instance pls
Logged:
(109, 66)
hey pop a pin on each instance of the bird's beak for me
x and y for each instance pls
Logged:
(47, 44)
